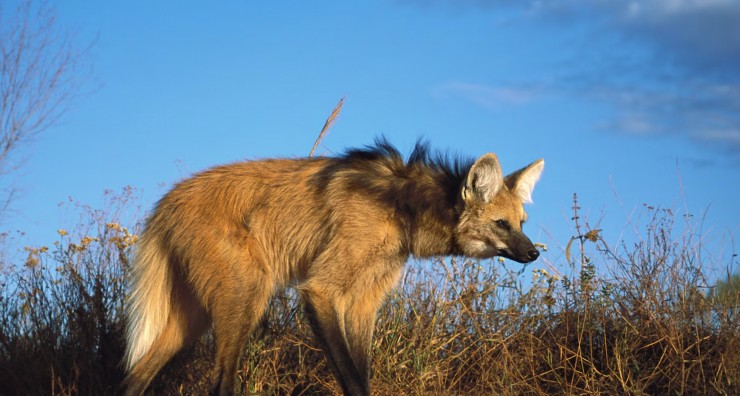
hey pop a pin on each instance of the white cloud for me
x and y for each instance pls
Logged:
(696, 34)
(638, 8)
(635, 124)
(685, 82)
(488, 96)
(727, 139)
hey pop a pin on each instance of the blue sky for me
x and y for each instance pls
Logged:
(629, 102)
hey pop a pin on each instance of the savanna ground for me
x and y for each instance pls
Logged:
(640, 318)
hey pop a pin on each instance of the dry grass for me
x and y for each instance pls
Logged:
(327, 125)
(628, 321)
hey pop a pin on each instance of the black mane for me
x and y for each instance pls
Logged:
(454, 167)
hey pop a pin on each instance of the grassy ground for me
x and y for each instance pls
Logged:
(643, 323)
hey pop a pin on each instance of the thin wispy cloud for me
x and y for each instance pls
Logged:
(488, 96)
(728, 139)
(684, 81)
(701, 35)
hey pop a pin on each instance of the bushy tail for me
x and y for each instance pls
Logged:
(149, 298)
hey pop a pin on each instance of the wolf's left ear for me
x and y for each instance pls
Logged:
(522, 182)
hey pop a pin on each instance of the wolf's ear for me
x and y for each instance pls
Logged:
(484, 180)
(522, 182)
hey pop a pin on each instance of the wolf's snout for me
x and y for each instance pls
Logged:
(533, 254)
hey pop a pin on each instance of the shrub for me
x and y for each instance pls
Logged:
(631, 319)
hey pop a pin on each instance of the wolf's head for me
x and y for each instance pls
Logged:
(493, 212)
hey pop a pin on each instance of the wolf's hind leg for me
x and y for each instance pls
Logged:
(236, 313)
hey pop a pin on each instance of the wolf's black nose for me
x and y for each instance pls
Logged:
(533, 254)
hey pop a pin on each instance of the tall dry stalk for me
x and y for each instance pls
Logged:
(329, 122)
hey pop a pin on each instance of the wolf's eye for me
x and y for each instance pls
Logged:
(503, 224)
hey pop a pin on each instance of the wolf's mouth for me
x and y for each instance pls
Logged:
(511, 256)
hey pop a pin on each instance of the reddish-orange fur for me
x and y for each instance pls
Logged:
(219, 245)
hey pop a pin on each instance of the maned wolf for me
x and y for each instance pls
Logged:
(338, 229)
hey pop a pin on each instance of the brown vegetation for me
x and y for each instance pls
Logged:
(641, 324)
